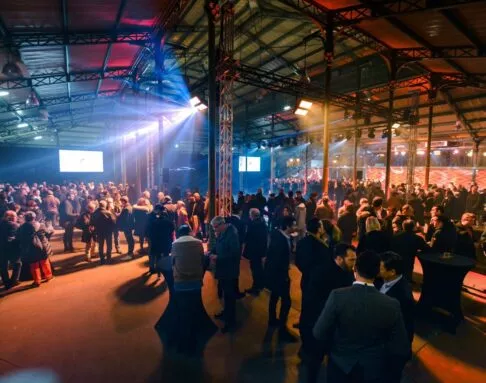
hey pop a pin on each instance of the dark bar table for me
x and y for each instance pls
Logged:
(443, 277)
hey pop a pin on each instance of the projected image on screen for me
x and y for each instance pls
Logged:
(249, 164)
(80, 161)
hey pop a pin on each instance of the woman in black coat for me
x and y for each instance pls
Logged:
(374, 239)
(35, 248)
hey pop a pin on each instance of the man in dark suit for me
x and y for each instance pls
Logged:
(255, 249)
(362, 330)
(396, 286)
(407, 243)
(226, 254)
(277, 275)
(323, 279)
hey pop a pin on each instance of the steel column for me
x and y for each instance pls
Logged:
(475, 160)
(329, 55)
(391, 95)
(212, 109)
(355, 163)
(429, 138)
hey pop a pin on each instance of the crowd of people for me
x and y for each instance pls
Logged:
(354, 248)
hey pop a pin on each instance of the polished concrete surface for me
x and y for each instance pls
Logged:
(96, 324)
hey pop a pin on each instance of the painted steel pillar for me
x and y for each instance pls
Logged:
(429, 143)
(391, 95)
(355, 164)
(212, 110)
(475, 160)
(329, 56)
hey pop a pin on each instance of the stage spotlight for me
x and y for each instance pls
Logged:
(384, 134)
(397, 132)
(455, 151)
(349, 135)
(303, 108)
(32, 99)
(287, 107)
(421, 152)
(197, 104)
(3, 93)
(22, 125)
(38, 138)
(396, 125)
(371, 133)
(469, 154)
(438, 152)
(176, 146)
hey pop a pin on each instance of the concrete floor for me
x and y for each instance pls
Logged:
(96, 324)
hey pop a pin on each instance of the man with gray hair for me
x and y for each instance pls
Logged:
(103, 221)
(255, 249)
(226, 255)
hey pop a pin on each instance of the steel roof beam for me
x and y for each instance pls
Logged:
(459, 114)
(121, 9)
(46, 39)
(116, 73)
(370, 10)
(467, 32)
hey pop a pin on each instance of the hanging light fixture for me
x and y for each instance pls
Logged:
(32, 99)
(11, 68)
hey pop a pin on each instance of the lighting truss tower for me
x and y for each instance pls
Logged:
(412, 139)
(226, 76)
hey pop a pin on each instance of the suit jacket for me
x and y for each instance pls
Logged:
(402, 292)
(359, 325)
(309, 255)
(374, 240)
(278, 262)
(407, 245)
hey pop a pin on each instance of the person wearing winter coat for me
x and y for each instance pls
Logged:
(70, 210)
(88, 236)
(160, 234)
(9, 250)
(140, 215)
(125, 223)
(103, 221)
(35, 248)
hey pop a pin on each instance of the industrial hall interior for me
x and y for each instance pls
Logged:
(243, 191)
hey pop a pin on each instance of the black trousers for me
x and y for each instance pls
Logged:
(68, 235)
(356, 375)
(116, 239)
(229, 298)
(282, 293)
(129, 238)
(105, 238)
(4, 266)
(256, 267)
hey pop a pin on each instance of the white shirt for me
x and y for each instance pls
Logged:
(363, 283)
(388, 285)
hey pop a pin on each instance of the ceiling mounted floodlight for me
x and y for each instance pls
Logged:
(3, 93)
(197, 104)
(32, 100)
(396, 125)
(303, 108)
(38, 138)
(22, 125)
